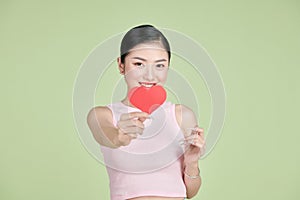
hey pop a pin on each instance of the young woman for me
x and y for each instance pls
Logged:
(144, 62)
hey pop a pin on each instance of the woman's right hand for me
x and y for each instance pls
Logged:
(130, 125)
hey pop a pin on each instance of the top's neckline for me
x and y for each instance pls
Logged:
(132, 107)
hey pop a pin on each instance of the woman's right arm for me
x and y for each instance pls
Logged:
(100, 122)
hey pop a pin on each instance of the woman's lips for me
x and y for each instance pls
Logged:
(147, 84)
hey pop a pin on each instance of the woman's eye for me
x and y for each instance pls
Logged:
(138, 64)
(160, 65)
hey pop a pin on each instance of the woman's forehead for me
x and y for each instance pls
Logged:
(148, 49)
(150, 45)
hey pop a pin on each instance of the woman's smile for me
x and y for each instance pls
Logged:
(147, 84)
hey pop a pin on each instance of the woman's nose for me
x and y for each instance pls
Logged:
(149, 73)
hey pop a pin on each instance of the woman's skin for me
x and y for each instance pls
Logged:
(147, 65)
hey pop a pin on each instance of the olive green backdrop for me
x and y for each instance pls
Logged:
(255, 45)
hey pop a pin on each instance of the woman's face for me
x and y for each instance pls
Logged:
(145, 65)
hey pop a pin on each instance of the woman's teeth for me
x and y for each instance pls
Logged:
(148, 85)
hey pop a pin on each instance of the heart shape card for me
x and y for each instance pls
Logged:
(147, 99)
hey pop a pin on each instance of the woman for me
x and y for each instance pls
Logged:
(172, 174)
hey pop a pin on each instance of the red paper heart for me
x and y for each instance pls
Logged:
(147, 99)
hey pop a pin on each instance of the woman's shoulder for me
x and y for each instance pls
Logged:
(104, 110)
(99, 109)
(181, 109)
(99, 112)
(185, 116)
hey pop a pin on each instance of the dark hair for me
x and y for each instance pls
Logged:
(142, 34)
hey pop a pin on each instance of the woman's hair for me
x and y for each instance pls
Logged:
(140, 35)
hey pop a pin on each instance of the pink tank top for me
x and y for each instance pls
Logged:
(150, 165)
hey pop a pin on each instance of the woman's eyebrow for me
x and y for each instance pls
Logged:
(143, 59)
(161, 60)
(139, 58)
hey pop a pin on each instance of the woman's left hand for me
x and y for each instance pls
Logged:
(194, 145)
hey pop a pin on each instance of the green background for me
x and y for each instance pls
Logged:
(255, 45)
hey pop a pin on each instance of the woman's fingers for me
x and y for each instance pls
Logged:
(134, 115)
(198, 130)
(195, 130)
(196, 138)
(137, 123)
(132, 135)
(133, 130)
(130, 125)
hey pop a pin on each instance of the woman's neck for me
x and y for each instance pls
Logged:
(127, 102)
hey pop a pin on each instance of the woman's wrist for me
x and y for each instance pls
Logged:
(115, 140)
(192, 169)
(191, 164)
(192, 176)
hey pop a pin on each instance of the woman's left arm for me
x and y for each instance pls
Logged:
(194, 149)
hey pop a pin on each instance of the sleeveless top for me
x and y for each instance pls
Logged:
(151, 165)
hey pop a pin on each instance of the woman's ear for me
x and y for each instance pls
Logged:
(121, 66)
